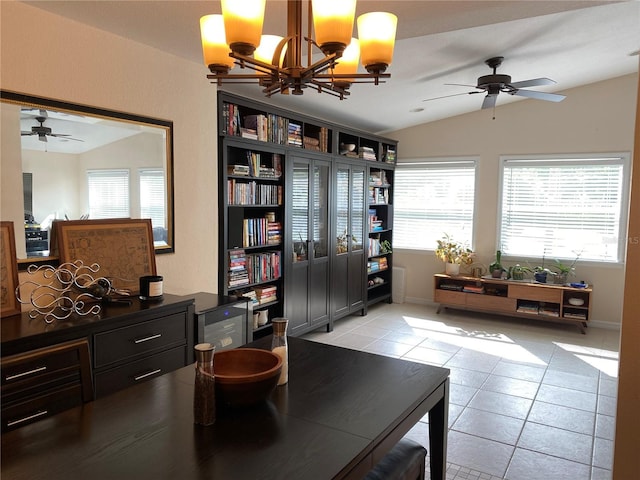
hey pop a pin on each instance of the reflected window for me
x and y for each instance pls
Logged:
(108, 193)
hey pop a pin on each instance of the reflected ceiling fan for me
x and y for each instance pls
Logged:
(495, 83)
(44, 132)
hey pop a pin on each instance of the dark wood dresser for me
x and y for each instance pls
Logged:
(47, 368)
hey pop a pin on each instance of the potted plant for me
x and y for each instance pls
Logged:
(495, 267)
(517, 272)
(563, 270)
(454, 254)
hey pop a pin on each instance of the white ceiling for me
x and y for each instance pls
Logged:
(572, 42)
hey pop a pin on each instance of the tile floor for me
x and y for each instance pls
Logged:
(528, 400)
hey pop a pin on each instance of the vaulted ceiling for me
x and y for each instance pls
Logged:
(438, 42)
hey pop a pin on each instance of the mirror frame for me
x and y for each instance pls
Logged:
(22, 99)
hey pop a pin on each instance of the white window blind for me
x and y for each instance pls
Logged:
(431, 199)
(108, 193)
(152, 199)
(562, 207)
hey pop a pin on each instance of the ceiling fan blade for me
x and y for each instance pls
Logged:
(462, 85)
(550, 97)
(24, 133)
(534, 82)
(452, 95)
(489, 101)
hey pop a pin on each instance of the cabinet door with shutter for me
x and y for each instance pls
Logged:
(347, 286)
(307, 281)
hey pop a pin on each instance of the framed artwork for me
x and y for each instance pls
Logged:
(123, 248)
(8, 270)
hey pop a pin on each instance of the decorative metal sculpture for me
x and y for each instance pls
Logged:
(71, 288)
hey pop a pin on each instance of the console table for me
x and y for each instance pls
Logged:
(517, 298)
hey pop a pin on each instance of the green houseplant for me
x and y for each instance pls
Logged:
(454, 254)
(495, 267)
(517, 272)
(564, 271)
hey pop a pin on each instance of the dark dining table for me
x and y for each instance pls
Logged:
(340, 413)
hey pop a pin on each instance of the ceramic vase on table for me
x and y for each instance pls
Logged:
(452, 268)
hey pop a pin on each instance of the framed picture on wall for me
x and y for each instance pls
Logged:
(8, 270)
(123, 248)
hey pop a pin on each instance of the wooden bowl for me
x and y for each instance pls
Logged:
(245, 376)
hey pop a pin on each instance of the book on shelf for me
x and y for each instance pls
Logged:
(248, 133)
(575, 315)
(367, 153)
(294, 134)
(252, 193)
(528, 307)
(473, 289)
(242, 170)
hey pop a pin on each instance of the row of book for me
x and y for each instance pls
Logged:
(367, 153)
(259, 231)
(538, 308)
(374, 247)
(249, 268)
(378, 195)
(256, 168)
(261, 295)
(252, 193)
(377, 265)
(375, 223)
(378, 178)
(295, 134)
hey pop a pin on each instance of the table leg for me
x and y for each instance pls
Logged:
(438, 429)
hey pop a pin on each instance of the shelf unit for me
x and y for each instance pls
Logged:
(380, 233)
(261, 149)
(251, 243)
(540, 301)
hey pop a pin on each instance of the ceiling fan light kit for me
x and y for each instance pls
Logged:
(235, 39)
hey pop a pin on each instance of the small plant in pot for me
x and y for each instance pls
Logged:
(563, 271)
(517, 272)
(495, 268)
(454, 254)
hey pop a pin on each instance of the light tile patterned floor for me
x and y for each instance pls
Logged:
(529, 400)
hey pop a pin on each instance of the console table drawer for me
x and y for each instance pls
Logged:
(450, 297)
(492, 302)
(139, 371)
(536, 293)
(122, 343)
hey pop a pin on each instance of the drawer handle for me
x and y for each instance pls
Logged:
(146, 339)
(26, 419)
(148, 374)
(24, 374)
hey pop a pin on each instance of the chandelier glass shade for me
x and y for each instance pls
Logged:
(235, 39)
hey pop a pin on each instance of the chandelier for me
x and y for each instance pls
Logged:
(235, 39)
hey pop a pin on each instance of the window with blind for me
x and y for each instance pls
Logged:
(108, 193)
(563, 206)
(152, 191)
(432, 198)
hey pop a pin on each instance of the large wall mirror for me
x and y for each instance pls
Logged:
(81, 162)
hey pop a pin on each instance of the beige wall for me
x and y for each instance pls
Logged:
(49, 56)
(596, 118)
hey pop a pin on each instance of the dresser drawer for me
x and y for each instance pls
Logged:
(18, 414)
(139, 339)
(139, 371)
(37, 366)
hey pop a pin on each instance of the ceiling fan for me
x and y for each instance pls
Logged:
(495, 83)
(44, 132)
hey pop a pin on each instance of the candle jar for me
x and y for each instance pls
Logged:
(279, 346)
(204, 395)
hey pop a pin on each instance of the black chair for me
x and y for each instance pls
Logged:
(405, 461)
